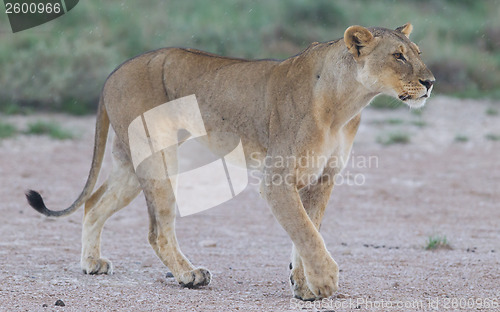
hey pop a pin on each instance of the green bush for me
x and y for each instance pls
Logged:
(492, 137)
(491, 111)
(461, 138)
(51, 129)
(394, 138)
(7, 130)
(437, 242)
(323, 12)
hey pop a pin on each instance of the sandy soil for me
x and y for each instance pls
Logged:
(376, 231)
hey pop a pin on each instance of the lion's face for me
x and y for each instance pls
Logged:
(389, 63)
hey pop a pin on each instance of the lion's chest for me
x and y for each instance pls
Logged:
(324, 160)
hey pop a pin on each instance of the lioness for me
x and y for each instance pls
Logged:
(310, 103)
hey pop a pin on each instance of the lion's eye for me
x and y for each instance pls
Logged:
(399, 56)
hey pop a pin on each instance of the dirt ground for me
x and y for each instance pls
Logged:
(376, 228)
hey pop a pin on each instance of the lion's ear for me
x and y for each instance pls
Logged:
(405, 29)
(356, 38)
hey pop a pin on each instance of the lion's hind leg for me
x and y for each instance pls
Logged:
(160, 198)
(121, 187)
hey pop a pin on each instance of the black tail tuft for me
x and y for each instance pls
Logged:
(36, 201)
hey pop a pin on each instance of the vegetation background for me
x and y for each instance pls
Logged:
(62, 65)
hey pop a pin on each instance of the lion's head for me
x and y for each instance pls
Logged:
(389, 63)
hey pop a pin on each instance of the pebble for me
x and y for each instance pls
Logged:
(347, 252)
(208, 243)
(60, 303)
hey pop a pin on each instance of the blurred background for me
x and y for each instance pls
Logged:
(62, 65)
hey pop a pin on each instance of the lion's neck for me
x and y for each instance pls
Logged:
(338, 88)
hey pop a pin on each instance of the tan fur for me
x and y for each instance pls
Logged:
(309, 103)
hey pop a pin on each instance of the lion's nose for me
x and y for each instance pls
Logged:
(427, 83)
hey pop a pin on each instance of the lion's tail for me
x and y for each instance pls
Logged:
(101, 135)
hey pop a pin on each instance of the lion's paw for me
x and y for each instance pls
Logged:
(299, 286)
(323, 282)
(195, 278)
(96, 266)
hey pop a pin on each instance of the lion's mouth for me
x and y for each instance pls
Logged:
(404, 97)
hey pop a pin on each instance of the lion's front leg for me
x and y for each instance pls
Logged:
(314, 199)
(319, 269)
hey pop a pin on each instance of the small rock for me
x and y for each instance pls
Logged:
(208, 243)
(44, 305)
(60, 303)
(347, 252)
(147, 263)
(343, 296)
(169, 275)
(160, 280)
